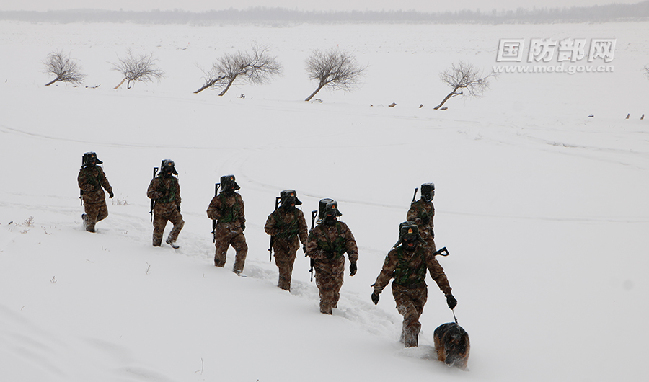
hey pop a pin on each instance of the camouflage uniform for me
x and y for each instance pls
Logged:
(421, 213)
(165, 190)
(227, 208)
(288, 228)
(326, 245)
(408, 268)
(92, 182)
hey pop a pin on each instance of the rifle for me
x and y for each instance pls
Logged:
(216, 192)
(314, 214)
(155, 171)
(415, 194)
(272, 238)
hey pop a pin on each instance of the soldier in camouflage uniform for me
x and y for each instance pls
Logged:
(326, 245)
(407, 263)
(92, 182)
(164, 190)
(227, 209)
(287, 227)
(422, 212)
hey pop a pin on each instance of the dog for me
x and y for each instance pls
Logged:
(452, 344)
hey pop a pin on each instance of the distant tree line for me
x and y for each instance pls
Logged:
(596, 13)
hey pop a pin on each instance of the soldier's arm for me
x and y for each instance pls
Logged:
(437, 273)
(350, 244)
(104, 181)
(312, 249)
(178, 198)
(270, 225)
(387, 271)
(214, 209)
(412, 214)
(152, 192)
(302, 227)
(242, 218)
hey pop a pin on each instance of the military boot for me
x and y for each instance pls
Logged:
(157, 241)
(411, 337)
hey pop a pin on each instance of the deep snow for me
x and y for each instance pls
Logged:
(543, 209)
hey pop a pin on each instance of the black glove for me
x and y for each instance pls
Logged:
(111, 194)
(353, 268)
(375, 297)
(451, 301)
(312, 263)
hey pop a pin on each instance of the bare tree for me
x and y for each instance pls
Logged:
(63, 68)
(465, 79)
(333, 69)
(646, 70)
(137, 68)
(256, 67)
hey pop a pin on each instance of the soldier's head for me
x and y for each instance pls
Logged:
(427, 191)
(229, 184)
(168, 167)
(330, 212)
(90, 159)
(409, 235)
(289, 199)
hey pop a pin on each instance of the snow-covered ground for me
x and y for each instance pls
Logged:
(543, 209)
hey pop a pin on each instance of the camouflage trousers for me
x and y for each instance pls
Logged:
(163, 213)
(284, 259)
(329, 276)
(410, 304)
(94, 212)
(226, 235)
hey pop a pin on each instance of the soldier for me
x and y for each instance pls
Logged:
(92, 182)
(227, 209)
(287, 228)
(421, 212)
(164, 190)
(407, 263)
(326, 246)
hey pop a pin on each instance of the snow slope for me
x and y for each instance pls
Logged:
(543, 209)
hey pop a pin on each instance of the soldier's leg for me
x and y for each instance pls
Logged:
(159, 223)
(338, 274)
(102, 211)
(178, 222)
(241, 247)
(282, 262)
(325, 283)
(221, 243)
(90, 217)
(410, 305)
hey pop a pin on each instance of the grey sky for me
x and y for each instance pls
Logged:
(320, 5)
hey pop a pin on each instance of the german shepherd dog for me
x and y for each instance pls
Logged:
(452, 344)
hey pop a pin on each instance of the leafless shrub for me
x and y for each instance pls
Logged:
(256, 67)
(646, 70)
(63, 68)
(465, 79)
(137, 68)
(333, 69)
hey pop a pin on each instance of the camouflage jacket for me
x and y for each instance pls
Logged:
(227, 208)
(331, 242)
(422, 212)
(164, 190)
(287, 224)
(409, 270)
(92, 182)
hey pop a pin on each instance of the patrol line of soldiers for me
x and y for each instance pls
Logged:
(326, 243)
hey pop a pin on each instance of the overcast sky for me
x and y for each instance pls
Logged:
(320, 5)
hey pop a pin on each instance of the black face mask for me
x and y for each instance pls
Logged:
(409, 244)
(330, 220)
